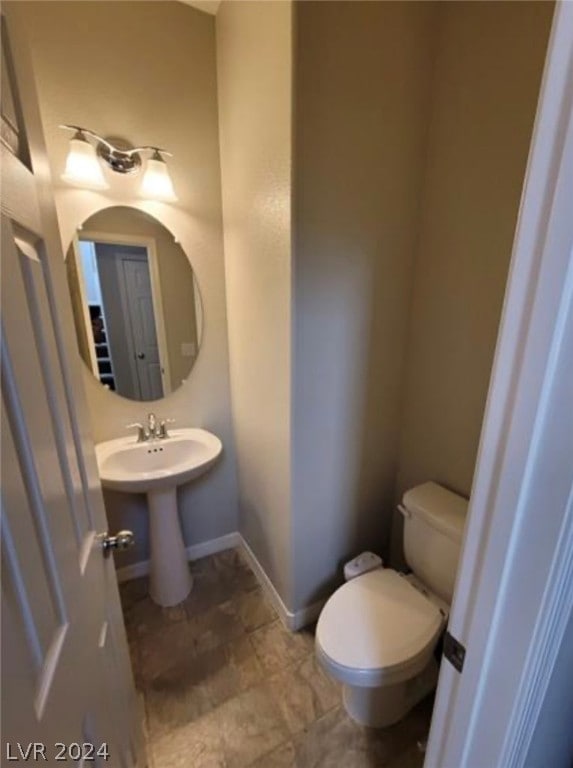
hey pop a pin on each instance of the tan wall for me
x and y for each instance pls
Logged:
(175, 278)
(146, 71)
(486, 83)
(406, 191)
(255, 83)
(362, 102)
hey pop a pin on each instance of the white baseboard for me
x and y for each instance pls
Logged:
(194, 552)
(285, 615)
(293, 621)
(211, 547)
(307, 615)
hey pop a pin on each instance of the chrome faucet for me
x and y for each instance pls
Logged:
(153, 430)
(142, 435)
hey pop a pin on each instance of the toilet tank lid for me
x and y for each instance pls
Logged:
(444, 510)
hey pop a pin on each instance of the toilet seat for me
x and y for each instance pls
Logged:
(377, 629)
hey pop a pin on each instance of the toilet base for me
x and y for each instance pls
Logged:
(383, 706)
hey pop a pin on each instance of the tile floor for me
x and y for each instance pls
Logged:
(226, 686)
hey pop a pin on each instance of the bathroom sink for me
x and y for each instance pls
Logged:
(156, 468)
(129, 466)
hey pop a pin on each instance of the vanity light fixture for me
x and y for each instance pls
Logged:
(84, 170)
(156, 182)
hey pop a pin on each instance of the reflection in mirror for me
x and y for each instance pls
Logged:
(136, 303)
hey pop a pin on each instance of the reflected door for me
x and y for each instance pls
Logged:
(142, 321)
(128, 307)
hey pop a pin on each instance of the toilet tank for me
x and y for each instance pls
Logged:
(433, 529)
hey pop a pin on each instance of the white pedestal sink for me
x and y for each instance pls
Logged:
(157, 467)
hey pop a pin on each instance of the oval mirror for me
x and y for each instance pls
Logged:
(136, 303)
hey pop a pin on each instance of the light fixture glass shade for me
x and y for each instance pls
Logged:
(156, 183)
(82, 166)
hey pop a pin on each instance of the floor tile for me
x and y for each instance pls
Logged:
(233, 560)
(216, 626)
(415, 726)
(281, 757)
(254, 610)
(131, 592)
(207, 593)
(412, 757)
(250, 726)
(145, 617)
(234, 570)
(335, 740)
(277, 648)
(175, 698)
(196, 685)
(303, 693)
(217, 579)
(230, 669)
(213, 583)
(202, 565)
(167, 711)
(196, 745)
(171, 646)
(227, 686)
(134, 655)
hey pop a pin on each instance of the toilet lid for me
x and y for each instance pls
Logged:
(377, 620)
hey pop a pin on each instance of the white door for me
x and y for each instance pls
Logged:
(506, 702)
(67, 682)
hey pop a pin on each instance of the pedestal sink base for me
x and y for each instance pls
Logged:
(157, 467)
(170, 579)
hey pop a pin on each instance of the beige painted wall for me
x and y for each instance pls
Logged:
(486, 83)
(406, 189)
(362, 103)
(147, 71)
(254, 60)
(175, 278)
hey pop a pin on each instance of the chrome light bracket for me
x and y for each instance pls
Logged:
(119, 155)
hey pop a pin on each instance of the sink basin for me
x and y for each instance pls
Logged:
(156, 468)
(125, 465)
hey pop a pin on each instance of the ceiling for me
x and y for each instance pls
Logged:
(209, 6)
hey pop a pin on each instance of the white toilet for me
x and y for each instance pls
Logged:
(377, 633)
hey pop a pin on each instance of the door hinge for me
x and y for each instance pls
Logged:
(454, 651)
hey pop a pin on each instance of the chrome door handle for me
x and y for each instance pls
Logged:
(122, 540)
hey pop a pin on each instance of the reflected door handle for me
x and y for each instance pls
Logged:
(141, 355)
(122, 540)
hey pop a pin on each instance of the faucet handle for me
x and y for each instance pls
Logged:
(141, 435)
(163, 427)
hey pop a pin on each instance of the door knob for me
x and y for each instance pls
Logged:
(141, 355)
(122, 540)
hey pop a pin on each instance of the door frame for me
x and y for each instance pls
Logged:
(152, 259)
(74, 253)
(514, 589)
